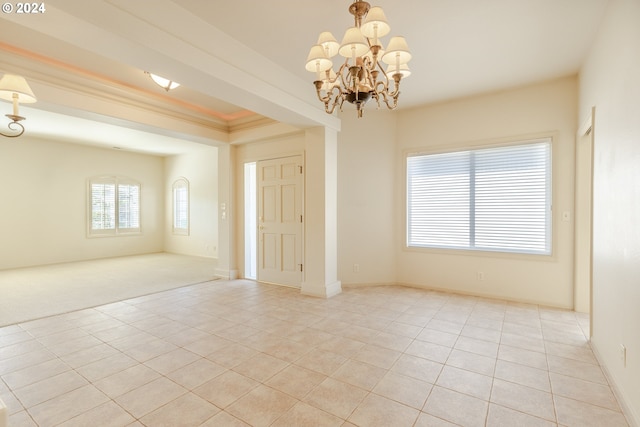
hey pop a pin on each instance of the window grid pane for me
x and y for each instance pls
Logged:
(495, 199)
(115, 207)
(181, 206)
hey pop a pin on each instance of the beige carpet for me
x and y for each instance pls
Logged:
(32, 293)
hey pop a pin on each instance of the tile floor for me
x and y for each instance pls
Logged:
(241, 353)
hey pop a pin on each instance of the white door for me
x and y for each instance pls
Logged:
(280, 221)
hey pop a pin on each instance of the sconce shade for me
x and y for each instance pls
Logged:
(329, 43)
(397, 49)
(11, 84)
(375, 24)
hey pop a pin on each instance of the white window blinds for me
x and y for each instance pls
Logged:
(114, 206)
(492, 199)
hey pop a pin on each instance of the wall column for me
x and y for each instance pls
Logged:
(227, 265)
(321, 213)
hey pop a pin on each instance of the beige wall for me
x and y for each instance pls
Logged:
(201, 170)
(367, 211)
(44, 202)
(609, 80)
(547, 109)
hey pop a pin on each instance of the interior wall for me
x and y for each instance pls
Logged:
(547, 109)
(44, 202)
(609, 81)
(201, 170)
(367, 212)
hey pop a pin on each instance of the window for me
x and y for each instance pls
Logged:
(181, 206)
(114, 206)
(490, 199)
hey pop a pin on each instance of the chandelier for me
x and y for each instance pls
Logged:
(361, 76)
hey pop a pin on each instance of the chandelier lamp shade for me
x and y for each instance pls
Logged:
(362, 75)
(16, 90)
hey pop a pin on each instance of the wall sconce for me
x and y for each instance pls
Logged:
(165, 84)
(15, 89)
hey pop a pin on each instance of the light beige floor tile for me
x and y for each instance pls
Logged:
(35, 373)
(124, 381)
(43, 390)
(576, 369)
(484, 334)
(584, 391)
(207, 346)
(456, 407)
(467, 382)
(572, 413)
(67, 406)
(403, 389)
(149, 397)
(11, 402)
(377, 356)
(524, 399)
(417, 367)
(260, 367)
(581, 353)
(187, 410)
(196, 373)
(427, 420)
(500, 416)
(359, 374)
(107, 366)
(472, 362)
(89, 355)
(324, 362)
(224, 419)
(445, 326)
(20, 348)
(340, 345)
(437, 337)
(427, 350)
(304, 415)
(530, 358)
(324, 397)
(398, 328)
(481, 347)
(523, 375)
(296, 381)
(226, 388)
(150, 349)
(522, 341)
(68, 347)
(232, 355)
(24, 360)
(261, 406)
(171, 361)
(106, 415)
(21, 419)
(379, 411)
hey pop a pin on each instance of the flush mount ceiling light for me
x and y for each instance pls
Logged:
(15, 89)
(165, 84)
(361, 76)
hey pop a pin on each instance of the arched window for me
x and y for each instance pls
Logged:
(181, 206)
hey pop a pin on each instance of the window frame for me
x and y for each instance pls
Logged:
(548, 253)
(117, 230)
(181, 183)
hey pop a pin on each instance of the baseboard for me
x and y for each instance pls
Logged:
(632, 418)
(321, 290)
(226, 274)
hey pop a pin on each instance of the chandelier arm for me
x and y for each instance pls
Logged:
(394, 95)
(11, 127)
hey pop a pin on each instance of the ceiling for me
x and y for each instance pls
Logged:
(241, 63)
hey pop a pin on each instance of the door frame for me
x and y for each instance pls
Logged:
(257, 254)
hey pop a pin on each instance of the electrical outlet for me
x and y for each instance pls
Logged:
(623, 355)
(356, 268)
(481, 275)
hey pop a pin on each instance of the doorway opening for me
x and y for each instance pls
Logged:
(250, 222)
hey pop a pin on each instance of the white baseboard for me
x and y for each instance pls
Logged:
(632, 418)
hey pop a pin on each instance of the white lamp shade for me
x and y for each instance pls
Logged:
(11, 84)
(329, 43)
(404, 70)
(165, 84)
(375, 24)
(317, 61)
(398, 50)
(353, 42)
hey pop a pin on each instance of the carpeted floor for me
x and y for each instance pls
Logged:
(36, 292)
